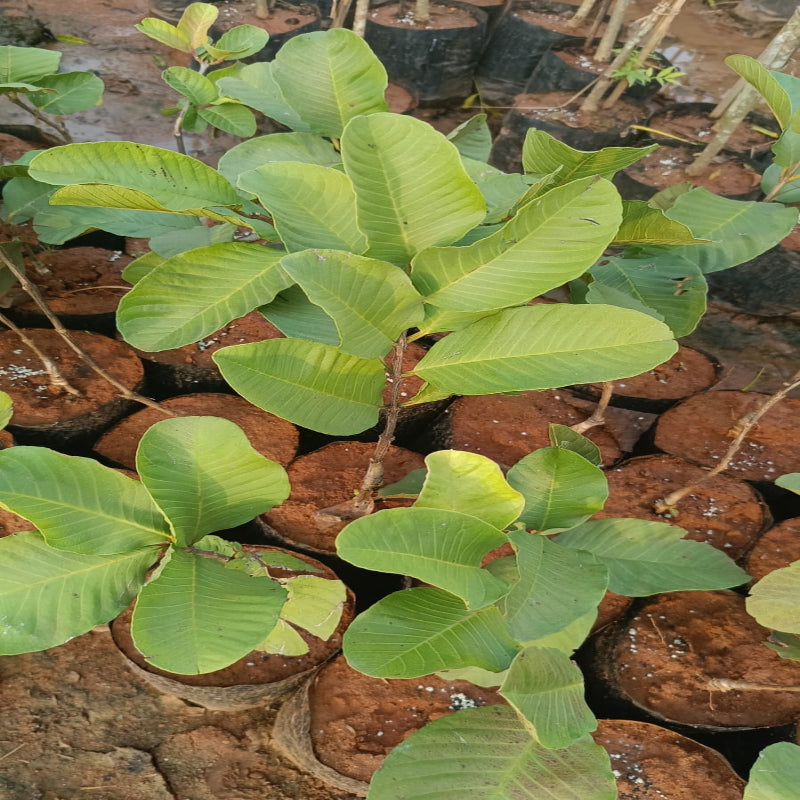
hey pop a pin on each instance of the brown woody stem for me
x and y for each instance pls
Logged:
(725, 685)
(55, 124)
(35, 295)
(742, 428)
(598, 415)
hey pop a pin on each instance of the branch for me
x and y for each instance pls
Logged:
(598, 415)
(55, 124)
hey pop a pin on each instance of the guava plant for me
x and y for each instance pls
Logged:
(512, 622)
(104, 540)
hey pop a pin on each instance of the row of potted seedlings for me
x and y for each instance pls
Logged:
(397, 216)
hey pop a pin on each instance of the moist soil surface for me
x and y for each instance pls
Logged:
(282, 19)
(559, 107)
(273, 437)
(724, 512)
(441, 17)
(776, 549)
(664, 657)
(553, 21)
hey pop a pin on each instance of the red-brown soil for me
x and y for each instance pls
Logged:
(552, 21)
(256, 667)
(12, 148)
(282, 19)
(506, 428)
(356, 720)
(11, 523)
(652, 762)
(776, 549)
(441, 17)
(76, 280)
(724, 512)
(273, 437)
(664, 658)
(36, 402)
(559, 107)
(702, 428)
(327, 477)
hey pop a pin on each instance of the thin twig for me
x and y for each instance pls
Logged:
(581, 14)
(611, 34)
(55, 124)
(37, 298)
(598, 21)
(364, 501)
(56, 378)
(725, 685)
(598, 415)
(742, 428)
(12, 751)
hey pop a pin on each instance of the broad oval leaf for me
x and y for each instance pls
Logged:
(199, 89)
(776, 773)
(330, 77)
(773, 600)
(418, 631)
(564, 436)
(195, 22)
(544, 347)
(489, 754)
(472, 138)
(311, 206)
(205, 476)
(470, 484)
(49, 596)
(26, 64)
(371, 302)
(302, 147)
(501, 192)
(233, 118)
(314, 604)
(557, 586)
(240, 41)
(436, 546)
(74, 91)
(165, 33)
(645, 558)
(176, 181)
(527, 256)
(646, 224)
(546, 687)
(308, 383)
(790, 481)
(198, 292)
(294, 315)
(196, 616)
(79, 505)
(561, 488)
(411, 188)
(760, 78)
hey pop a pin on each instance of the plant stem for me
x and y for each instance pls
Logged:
(177, 128)
(598, 415)
(56, 124)
(775, 56)
(725, 685)
(262, 9)
(339, 11)
(611, 34)
(653, 41)
(364, 501)
(56, 378)
(598, 20)
(582, 13)
(422, 11)
(360, 17)
(788, 175)
(742, 428)
(37, 298)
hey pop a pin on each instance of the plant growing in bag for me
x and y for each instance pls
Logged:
(512, 622)
(207, 601)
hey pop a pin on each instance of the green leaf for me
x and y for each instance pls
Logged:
(239, 42)
(205, 476)
(500, 190)
(436, 546)
(255, 86)
(23, 198)
(786, 645)
(556, 587)
(790, 481)
(471, 484)
(173, 243)
(233, 118)
(75, 91)
(177, 182)
(773, 600)
(570, 638)
(195, 22)
(371, 302)
(665, 199)
(284, 640)
(643, 224)
(314, 604)
(310, 384)
(547, 690)
(412, 191)
(77, 504)
(165, 33)
(23, 88)
(561, 488)
(199, 89)
(776, 773)
(543, 155)
(294, 315)
(488, 754)
(198, 292)
(472, 138)
(789, 193)
(196, 616)
(27, 64)
(312, 206)
(6, 409)
(475, 675)
(544, 347)
(527, 255)
(419, 631)
(329, 78)
(303, 147)
(760, 78)
(48, 596)
(409, 486)
(674, 294)
(563, 436)
(645, 558)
